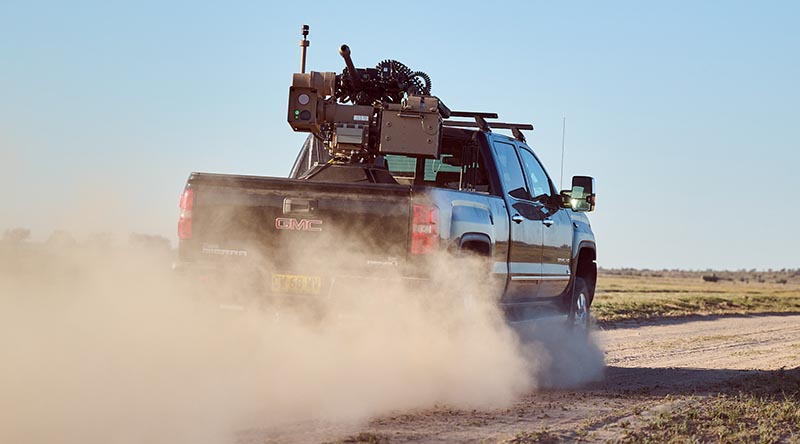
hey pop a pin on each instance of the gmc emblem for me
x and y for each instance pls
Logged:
(288, 223)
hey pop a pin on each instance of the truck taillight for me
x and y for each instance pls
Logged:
(185, 220)
(424, 229)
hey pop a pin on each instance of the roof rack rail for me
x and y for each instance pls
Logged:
(480, 118)
(472, 114)
(483, 125)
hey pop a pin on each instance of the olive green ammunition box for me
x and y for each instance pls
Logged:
(413, 128)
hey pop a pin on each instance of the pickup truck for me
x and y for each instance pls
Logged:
(487, 195)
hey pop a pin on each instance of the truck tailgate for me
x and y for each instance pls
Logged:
(298, 226)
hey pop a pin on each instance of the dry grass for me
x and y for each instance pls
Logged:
(364, 438)
(764, 408)
(640, 295)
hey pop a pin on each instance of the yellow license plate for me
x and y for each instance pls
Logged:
(296, 284)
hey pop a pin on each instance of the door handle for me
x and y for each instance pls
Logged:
(517, 218)
(548, 222)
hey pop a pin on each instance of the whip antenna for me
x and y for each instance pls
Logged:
(563, 136)
(304, 45)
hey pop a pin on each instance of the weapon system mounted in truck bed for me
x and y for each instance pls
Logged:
(363, 114)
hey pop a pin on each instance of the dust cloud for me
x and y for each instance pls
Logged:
(104, 344)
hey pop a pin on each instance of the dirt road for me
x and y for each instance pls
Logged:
(649, 368)
(95, 352)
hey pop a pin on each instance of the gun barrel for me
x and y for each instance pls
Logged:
(344, 51)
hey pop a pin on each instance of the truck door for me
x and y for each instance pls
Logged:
(557, 227)
(525, 246)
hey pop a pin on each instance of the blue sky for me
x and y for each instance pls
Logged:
(685, 112)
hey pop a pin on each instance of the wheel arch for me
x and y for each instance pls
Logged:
(475, 243)
(586, 266)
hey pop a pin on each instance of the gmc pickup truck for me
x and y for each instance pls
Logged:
(389, 186)
(486, 195)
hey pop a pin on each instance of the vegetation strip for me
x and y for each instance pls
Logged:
(628, 296)
(610, 312)
(763, 408)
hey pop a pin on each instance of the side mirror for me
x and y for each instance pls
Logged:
(581, 197)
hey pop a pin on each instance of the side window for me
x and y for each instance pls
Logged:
(510, 170)
(537, 178)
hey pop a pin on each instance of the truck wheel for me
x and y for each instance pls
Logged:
(580, 316)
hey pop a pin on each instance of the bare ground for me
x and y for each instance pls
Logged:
(118, 383)
(650, 367)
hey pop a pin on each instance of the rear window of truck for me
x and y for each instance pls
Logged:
(445, 172)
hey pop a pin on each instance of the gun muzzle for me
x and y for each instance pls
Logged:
(344, 51)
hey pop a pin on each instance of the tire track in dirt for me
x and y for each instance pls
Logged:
(740, 342)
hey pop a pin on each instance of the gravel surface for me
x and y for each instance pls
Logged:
(649, 367)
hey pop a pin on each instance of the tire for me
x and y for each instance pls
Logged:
(580, 315)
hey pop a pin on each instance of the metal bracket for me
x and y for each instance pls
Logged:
(486, 127)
